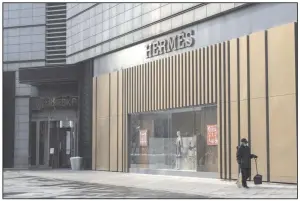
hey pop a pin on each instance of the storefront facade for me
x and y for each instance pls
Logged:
(212, 95)
(162, 88)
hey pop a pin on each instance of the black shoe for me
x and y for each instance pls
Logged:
(246, 187)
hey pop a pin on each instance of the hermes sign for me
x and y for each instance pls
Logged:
(179, 41)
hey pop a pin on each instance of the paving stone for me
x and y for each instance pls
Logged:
(170, 185)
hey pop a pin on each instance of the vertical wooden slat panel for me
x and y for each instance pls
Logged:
(213, 74)
(165, 85)
(223, 119)
(203, 76)
(257, 55)
(180, 79)
(184, 83)
(142, 87)
(138, 77)
(160, 83)
(208, 74)
(190, 78)
(155, 88)
(94, 138)
(153, 85)
(243, 88)
(113, 118)
(199, 77)
(150, 86)
(171, 81)
(156, 84)
(120, 119)
(135, 85)
(125, 136)
(168, 84)
(234, 106)
(219, 109)
(147, 86)
(128, 90)
(103, 125)
(222, 111)
(226, 113)
(195, 77)
(177, 80)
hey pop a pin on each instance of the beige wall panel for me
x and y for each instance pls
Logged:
(113, 144)
(160, 83)
(213, 73)
(281, 49)
(166, 86)
(223, 91)
(283, 140)
(243, 68)
(184, 79)
(120, 141)
(223, 143)
(194, 74)
(234, 139)
(172, 81)
(220, 169)
(103, 144)
(138, 87)
(152, 77)
(198, 79)
(257, 65)
(227, 105)
(125, 109)
(113, 94)
(209, 73)
(258, 135)
(154, 85)
(129, 89)
(244, 118)
(94, 122)
(103, 101)
(218, 73)
(189, 79)
(120, 93)
(134, 88)
(176, 66)
(203, 76)
(233, 70)
(124, 150)
(219, 140)
(180, 78)
(146, 87)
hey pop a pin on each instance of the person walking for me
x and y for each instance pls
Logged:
(244, 157)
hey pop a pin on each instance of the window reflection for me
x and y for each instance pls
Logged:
(175, 140)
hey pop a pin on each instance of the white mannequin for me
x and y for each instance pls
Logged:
(178, 150)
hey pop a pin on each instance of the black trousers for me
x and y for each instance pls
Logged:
(245, 175)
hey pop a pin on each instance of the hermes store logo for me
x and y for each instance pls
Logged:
(179, 41)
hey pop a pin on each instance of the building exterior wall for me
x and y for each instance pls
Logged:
(106, 27)
(240, 75)
(24, 46)
(227, 26)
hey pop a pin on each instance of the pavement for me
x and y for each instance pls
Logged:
(98, 184)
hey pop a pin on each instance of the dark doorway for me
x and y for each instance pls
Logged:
(60, 144)
(32, 143)
(8, 118)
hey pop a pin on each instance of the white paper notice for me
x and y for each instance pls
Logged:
(51, 150)
(68, 142)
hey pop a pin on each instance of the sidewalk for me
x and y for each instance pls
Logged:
(214, 188)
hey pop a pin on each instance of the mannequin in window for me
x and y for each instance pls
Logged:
(178, 150)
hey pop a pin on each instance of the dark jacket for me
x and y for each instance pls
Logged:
(244, 156)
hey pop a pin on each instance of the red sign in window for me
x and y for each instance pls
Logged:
(212, 135)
